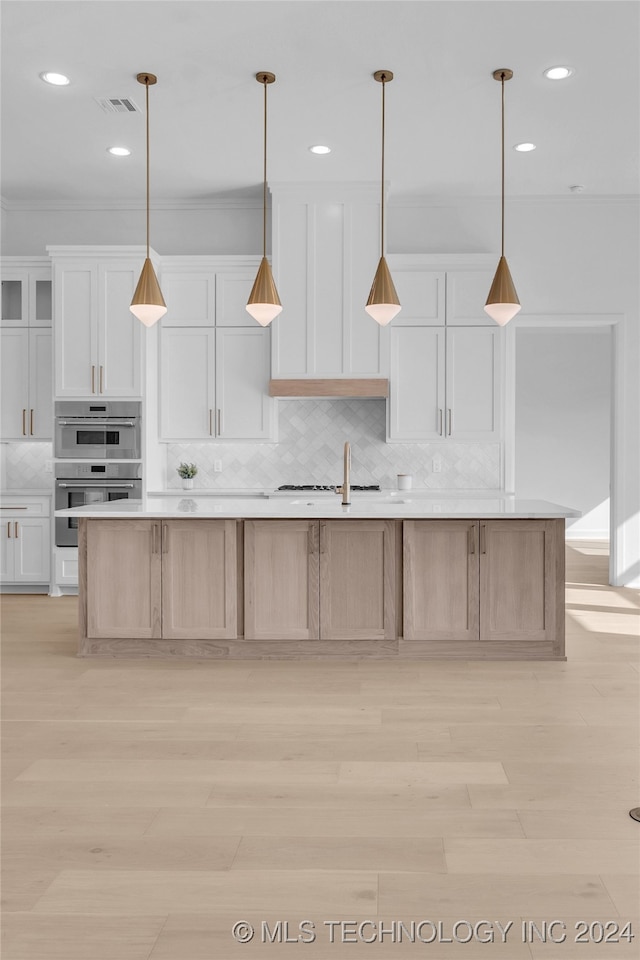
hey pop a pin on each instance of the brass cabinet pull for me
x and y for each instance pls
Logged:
(483, 538)
(9, 529)
(450, 419)
(15, 529)
(219, 422)
(101, 379)
(440, 421)
(93, 378)
(24, 422)
(210, 422)
(165, 538)
(14, 508)
(31, 422)
(472, 539)
(153, 538)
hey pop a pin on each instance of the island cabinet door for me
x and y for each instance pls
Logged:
(281, 579)
(440, 580)
(521, 580)
(199, 580)
(357, 580)
(123, 579)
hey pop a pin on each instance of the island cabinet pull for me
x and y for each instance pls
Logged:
(15, 529)
(165, 537)
(472, 539)
(483, 538)
(31, 422)
(9, 529)
(311, 540)
(24, 423)
(93, 378)
(101, 379)
(154, 538)
(210, 422)
(440, 421)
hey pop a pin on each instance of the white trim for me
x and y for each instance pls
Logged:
(171, 203)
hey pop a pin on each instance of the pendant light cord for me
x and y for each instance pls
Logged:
(264, 176)
(382, 177)
(502, 241)
(146, 91)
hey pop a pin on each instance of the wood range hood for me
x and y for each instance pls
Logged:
(366, 387)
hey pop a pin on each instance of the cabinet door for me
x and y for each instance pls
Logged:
(232, 293)
(519, 564)
(467, 292)
(187, 383)
(281, 579)
(124, 579)
(474, 383)
(190, 298)
(357, 579)
(119, 332)
(76, 330)
(421, 293)
(14, 390)
(417, 384)
(40, 423)
(7, 553)
(15, 298)
(199, 580)
(243, 362)
(440, 580)
(31, 550)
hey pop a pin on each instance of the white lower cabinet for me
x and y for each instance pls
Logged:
(445, 383)
(25, 538)
(214, 384)
(26, 393)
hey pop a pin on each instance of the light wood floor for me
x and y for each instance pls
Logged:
(149, 805)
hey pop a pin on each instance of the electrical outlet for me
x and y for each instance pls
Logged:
(436, 465)
(217, 466)
(48, 466)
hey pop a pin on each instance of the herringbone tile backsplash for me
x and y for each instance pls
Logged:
(309, 450)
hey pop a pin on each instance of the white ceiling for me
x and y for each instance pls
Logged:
(443, 107)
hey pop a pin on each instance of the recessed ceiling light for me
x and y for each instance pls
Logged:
(320, 148)
(558, 73)
(119, 151)
(57, 79)
(524, 147)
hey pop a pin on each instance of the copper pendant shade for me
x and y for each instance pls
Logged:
(264, 303)
(502, 303)
(383, 303)
(148, 303)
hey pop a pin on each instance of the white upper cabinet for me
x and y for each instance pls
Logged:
(26, 392)
(26, 292)
(445, 384)
(467, 292)
(326, 248)
(422, 295)
(97, 340)
(214, 384)
(207, 291)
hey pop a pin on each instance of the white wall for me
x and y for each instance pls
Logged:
(563, 390)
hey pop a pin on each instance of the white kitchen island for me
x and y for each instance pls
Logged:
(396, 575)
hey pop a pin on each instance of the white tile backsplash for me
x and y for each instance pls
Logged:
(309, 450)
(24, 465)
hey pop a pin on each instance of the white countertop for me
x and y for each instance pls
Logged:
(398, 505)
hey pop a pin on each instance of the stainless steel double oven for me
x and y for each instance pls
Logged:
(89, 438)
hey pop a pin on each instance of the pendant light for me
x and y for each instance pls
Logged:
(502, 303)
(264, 303)
(383, 304)
(148, 303)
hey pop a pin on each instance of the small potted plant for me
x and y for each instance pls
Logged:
(187, 471)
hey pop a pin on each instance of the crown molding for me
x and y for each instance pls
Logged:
(116, 204)
(451, 201)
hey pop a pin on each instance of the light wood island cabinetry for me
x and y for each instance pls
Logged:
(287, 588)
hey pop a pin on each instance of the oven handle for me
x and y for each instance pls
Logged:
(96, 423)
(96, 486)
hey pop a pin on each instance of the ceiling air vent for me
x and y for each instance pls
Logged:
(118, 105)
